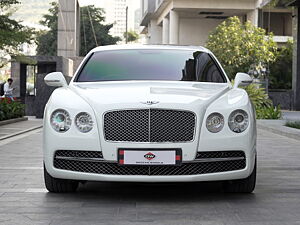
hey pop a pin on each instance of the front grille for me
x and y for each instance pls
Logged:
(149, 125)
(188, 168)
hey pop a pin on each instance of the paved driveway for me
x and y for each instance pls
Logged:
(276, 201)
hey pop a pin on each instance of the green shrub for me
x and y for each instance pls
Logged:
(258, 96)
(11, 109)
(268, 112)
(293, 124)
(263, 105)
(281, 70)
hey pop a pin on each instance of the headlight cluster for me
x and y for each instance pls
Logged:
(238, 121)
(84, 122)
(61, 121)
(215, 122)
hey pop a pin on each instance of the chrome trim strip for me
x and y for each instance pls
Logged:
(147, 108)
(217, 159)
(84, 159)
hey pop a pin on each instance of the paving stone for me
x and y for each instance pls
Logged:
(276, 200)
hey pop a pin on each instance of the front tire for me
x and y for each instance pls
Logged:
(246, 185)
(56, 185)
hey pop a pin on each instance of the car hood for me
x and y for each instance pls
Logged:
(134, 93)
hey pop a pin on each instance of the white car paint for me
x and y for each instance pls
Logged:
(96, 98)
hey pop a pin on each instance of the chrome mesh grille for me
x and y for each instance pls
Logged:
(127, 125)
(112, 168)
(149, 125)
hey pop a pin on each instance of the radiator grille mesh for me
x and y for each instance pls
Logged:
(149, 125)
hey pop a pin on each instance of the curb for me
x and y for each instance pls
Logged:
(15, 120)
(279, 132)
(20, 132)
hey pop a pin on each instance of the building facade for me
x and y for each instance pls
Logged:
(115, 12)
(189, 22)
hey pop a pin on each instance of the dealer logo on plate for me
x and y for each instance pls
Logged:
(149, 156)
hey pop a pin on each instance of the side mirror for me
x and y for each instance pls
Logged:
(242, 79)
(55, 79)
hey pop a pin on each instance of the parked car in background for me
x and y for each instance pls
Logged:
(149, 114)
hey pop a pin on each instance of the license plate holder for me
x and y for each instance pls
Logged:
(149, 157)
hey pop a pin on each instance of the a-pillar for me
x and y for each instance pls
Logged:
(165, 31)
(174, 28)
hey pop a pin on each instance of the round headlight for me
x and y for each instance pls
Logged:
(60, 120)
(84, 122)
(215, 122)
(238, 121)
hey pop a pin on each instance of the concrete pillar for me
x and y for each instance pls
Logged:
(165, 31)
(252, 16)
(15, 75)
(174, 28)
(155, 33)
(296, 60)
(68, 35)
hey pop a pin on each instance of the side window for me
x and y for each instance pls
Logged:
(206, 69)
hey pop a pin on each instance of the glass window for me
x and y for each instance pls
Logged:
(31, 72)
(151, 64)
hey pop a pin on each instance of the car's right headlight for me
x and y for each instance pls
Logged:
(60, 120)
(238, 121)
(215, 122)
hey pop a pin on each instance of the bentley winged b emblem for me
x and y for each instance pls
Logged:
(150, 102)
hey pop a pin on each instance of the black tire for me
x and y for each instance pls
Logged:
(246, 185)
(56, 185)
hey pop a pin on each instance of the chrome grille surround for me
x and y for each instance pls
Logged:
(100, 166)
(149, 125)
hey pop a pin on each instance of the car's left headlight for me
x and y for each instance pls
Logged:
(238, 121)
(84, 122)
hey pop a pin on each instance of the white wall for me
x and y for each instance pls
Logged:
(196, 31)
(155, 33)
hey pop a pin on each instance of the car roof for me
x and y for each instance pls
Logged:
(140, 46)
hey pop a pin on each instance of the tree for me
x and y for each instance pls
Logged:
(239, 46)
(47, 40)
(131, 36)
(92, 32)
(12, 32)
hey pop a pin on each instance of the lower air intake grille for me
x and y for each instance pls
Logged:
(219, 154)
(80, 154)
(189, 168)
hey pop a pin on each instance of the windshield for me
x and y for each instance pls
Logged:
(151, 64)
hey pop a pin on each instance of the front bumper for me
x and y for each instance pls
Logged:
(86, 167)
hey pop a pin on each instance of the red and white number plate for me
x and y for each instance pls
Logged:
(149, 156)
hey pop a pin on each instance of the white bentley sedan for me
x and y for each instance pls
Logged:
(149, 114)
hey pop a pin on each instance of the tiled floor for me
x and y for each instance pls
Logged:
(276, 200)
(19, 126)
